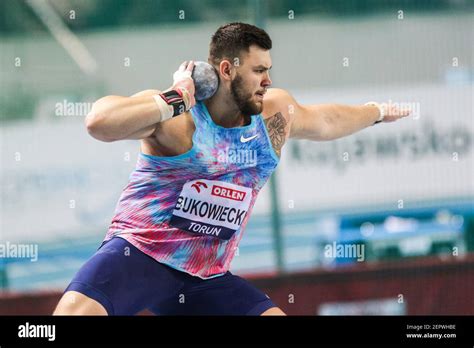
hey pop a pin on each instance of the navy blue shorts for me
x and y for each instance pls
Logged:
(127, 281)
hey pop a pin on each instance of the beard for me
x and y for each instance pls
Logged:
(243, 99)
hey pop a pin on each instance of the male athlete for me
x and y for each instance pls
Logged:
(179, 220)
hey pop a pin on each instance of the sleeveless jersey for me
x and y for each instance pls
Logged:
(189, 211)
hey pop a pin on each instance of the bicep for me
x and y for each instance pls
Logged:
(147, 131)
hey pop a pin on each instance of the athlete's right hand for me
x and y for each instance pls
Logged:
(182, 79)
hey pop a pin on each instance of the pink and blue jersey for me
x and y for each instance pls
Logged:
(189, 211)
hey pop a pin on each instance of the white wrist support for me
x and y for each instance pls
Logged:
(166, 110)
(381, 110)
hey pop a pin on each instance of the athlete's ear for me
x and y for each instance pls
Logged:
(226, 70)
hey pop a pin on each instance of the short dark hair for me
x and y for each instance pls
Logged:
(232, 38)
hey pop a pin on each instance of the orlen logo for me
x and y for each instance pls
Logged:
(226, 192)
(197, 186)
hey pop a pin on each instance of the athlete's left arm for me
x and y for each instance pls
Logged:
(324, 122)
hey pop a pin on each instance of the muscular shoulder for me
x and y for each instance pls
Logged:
(277, 100)
(277, 114)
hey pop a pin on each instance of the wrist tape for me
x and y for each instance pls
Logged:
(172, 103)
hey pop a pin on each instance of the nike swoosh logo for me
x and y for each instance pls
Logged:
(244, 140)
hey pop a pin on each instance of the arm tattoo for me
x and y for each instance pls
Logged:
(276, 131)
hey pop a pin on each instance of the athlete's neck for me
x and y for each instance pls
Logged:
(224, 112)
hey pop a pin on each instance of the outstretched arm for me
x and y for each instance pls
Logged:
(324, 122)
